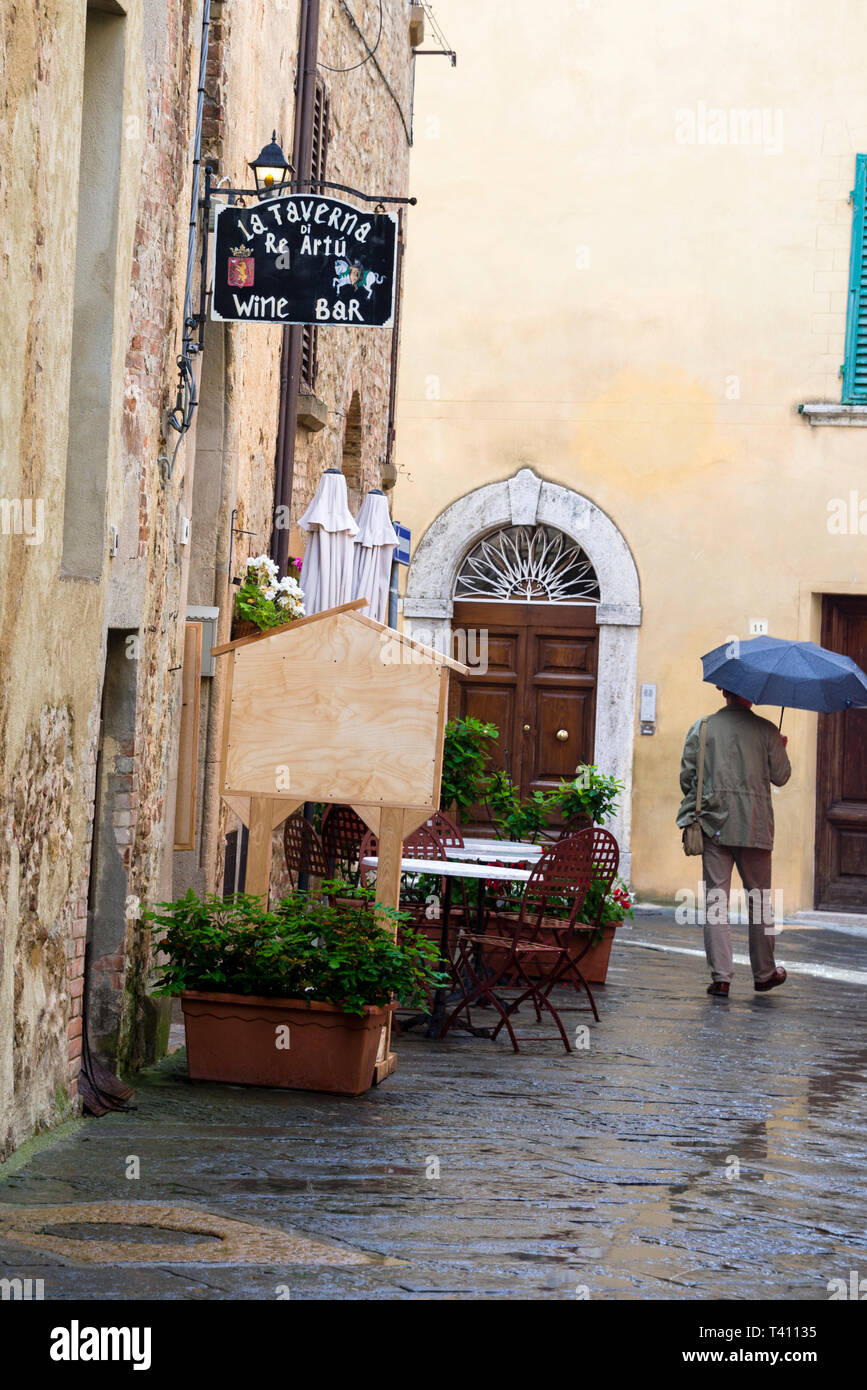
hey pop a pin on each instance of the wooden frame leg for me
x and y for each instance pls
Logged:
(259, 847)
(389, 854)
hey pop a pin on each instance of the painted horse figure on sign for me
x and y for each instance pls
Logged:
(355, 275)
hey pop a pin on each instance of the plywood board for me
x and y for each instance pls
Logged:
(321, 713)
(279, 809)
(287, 627)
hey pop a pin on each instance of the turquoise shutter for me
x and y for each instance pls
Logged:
(855, 365)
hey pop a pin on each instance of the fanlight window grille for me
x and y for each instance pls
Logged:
(528, 564)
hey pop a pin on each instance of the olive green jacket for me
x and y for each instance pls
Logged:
(743, 756)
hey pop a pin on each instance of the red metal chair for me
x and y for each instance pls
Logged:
(444, 827)
(342, 833)
(303, 849)
(559, 881)
(451, 837)
(422, 843)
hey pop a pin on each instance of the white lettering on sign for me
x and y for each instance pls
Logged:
(261, 307)
(339, 312)
(322, 246)
(273, 247)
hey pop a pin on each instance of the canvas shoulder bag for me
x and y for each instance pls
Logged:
(693, 840)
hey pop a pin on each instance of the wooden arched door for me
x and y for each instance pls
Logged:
(538, 687)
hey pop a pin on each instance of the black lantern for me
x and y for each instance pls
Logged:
(270, 169)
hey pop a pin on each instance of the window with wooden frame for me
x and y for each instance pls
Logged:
(855, 363)
(310, 333)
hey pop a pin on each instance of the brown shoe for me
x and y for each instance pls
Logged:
(778, 978)
(720, 987)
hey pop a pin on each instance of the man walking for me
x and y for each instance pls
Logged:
(743, 755)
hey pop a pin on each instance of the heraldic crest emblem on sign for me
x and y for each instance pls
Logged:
(241, 267)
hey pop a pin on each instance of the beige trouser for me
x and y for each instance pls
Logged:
(754, 867)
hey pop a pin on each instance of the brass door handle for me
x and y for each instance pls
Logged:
(562, 735)
(526, 728)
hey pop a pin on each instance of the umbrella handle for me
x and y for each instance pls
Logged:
(782, 712)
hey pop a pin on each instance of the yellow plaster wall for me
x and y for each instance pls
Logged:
(637, 317)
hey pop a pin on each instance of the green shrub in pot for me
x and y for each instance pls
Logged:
(306, 947)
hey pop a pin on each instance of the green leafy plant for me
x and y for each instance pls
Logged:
(264, 599)
(466, 751)
(304, 948)
(519, 818)
(590, 793)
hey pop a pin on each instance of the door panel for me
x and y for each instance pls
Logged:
(560, 689)
(541, 674)
(841, 773)
(557, 713)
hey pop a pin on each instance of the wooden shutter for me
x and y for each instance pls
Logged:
(855, 365)
(310, 333)
(188, 743)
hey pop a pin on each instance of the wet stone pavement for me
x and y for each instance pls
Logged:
(698, 1148)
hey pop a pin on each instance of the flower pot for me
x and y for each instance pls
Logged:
(244, 627)
(240, 1039)
(593, 966)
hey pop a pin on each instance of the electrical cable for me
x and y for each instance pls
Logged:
(370, 51)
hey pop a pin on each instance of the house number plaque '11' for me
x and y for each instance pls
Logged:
(304, 259)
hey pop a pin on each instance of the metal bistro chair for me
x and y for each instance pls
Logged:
(562, 876)
(303, 849)
(342, 833)
(448, 832)
(423, 843)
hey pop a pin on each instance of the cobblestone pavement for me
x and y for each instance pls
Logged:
(614, 1168)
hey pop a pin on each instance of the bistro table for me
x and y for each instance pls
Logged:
(484, 851)
(448, 869)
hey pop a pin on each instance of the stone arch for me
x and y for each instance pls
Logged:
(527, 500)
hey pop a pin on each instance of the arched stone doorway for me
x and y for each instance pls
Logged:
(529, 502)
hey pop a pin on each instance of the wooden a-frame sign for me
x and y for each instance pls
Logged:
(336, 708)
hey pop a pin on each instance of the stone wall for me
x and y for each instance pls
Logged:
(250, 82)
(54, 629)
(88, 761)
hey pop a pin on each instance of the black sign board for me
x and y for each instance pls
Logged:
(304, 259)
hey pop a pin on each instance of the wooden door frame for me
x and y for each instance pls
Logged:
(829, 757)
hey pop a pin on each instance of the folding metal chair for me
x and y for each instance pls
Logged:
(560, 879)
(342, 833)
(303, 849)
(423, 843)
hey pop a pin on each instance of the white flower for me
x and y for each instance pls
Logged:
(263, 562)
(270, 592)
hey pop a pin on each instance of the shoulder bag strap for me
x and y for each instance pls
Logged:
(700, 782)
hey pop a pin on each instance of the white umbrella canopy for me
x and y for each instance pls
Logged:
(373, 554)
(326, 574)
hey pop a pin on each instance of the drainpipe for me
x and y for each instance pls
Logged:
(290, 357)
(395, 343)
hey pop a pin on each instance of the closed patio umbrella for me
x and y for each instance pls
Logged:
(373, 554)
(326, 574)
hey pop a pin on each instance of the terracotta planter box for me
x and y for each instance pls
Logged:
(594, 965)
(233, 1038)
